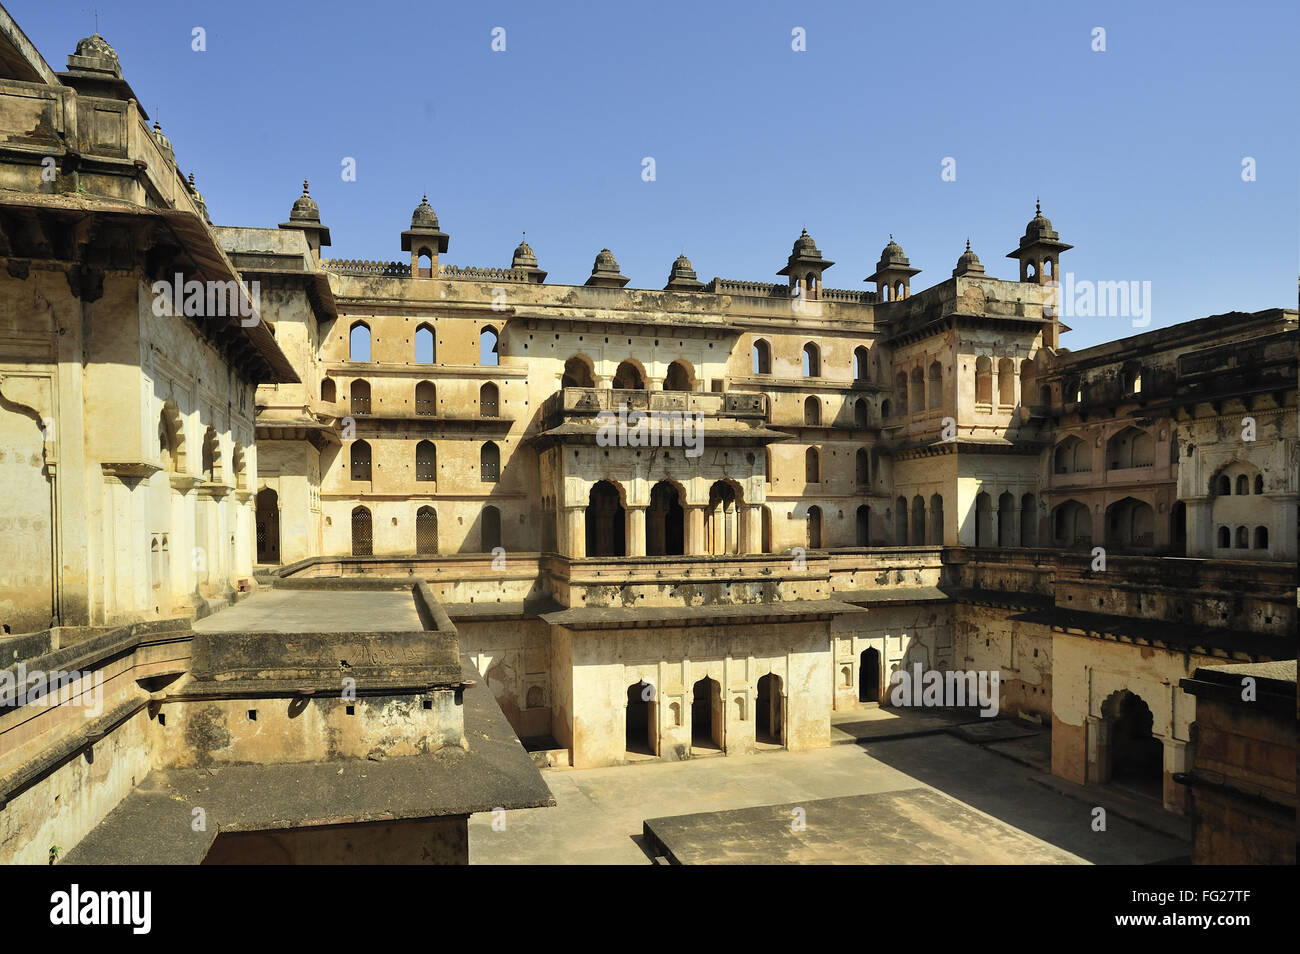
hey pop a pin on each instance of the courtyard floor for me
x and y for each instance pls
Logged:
(974, 805)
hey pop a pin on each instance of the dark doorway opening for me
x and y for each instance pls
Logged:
(268, 526)
(640, 718)
(769, 714)
(1136, 756)
(706, 714)
(665, 522)
(869, 676)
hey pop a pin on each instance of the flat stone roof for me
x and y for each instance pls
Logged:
(314, 611)
(916, 826)
(152, 825)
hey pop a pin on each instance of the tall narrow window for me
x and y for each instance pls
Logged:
(488, 353)
(359, 342)
(426, 461)
(490, 463)
(812, 361)
(360, 460)
(426, 399)
(487, 400)
(360, 397)
(762, 357)
(424, 347)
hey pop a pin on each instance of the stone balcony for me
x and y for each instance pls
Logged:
(582, 403)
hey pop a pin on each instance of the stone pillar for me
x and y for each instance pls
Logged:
(1200, 527)
(1177, 758)
(575, 532)
(1098, 770)
(635, 532)
(751, 538)
(694, 531)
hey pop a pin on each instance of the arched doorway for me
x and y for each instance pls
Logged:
(814, 527)
(426, 531)
(1134, 757)
(629, 377)
(721, 524)
(640, 719)
(863, 523)
(706, 714)
(769, 712)
(491, 529)
(767, 528)
(665, 522)
(605, 522)
(268, 526)
(869, 676)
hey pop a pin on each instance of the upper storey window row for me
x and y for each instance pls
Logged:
(811, 358)
(425, 345)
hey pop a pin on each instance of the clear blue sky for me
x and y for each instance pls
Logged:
(1136, 151)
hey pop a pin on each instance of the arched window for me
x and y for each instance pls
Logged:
(812, 361)
(328, 391)
(362, 533)
(936, 520)
(886, 409)
(936, 385)
(1243, 538)
(1131, 447)
(918, 521)
(918, 389)
(360, 398)
(1028, 383)
(426, 531)
(983, 380)
(360, 455)
(1243, 485)
(1261, 538)
(812, 466)
(863, 526)
(1006, 382)
(359, 342)
(900, 522)
(489, 458)
(762, 357)
(1223, 486)
(1259, 483)
(679, 377)
(578, 373)
(426, 399)
(488, 347)
(861, 413)
(861, 364)
(487, 400)
(767, 465)
(426, 461)
(424, 347)
(1224, 538)
(900, 390)
(812, 411)
(628, 377)
(862, 468)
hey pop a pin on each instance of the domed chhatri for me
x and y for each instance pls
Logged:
(893, 274)
(199, 200)
(424, 216)
(304, 207)
(682, 276)
(805, 243)
(304, 217)
(968, 263)
(605, 273)
(1039, 250)
(804, 268)
(525, 258)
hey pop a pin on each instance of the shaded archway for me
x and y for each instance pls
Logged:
(869, 676)
(665, 522)
(1071, 525)
(769, 711)
(1028, 521)
(680, 377)
(629, 377)
(814, 527)
(1130, 525)
(983, 520)
(640, 720)
(268, 526)
(706, 714)
(1008, 510)
(578, 373)
(605, 522)
(490, 529)
(863, 526)
(1134, 757)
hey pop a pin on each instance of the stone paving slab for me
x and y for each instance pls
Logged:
(909, 827)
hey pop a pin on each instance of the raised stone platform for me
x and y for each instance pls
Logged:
(916, 826)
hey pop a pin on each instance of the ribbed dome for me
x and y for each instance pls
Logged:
(163, 142)
(892, 253)
(524, 256)
(1040, 226)
(96, 46)
(424, 216)
(605, 262)
(804, 243)
(304, 207)
(968, 257)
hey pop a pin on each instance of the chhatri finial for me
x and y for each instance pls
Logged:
(968, 245)
(1038, 207)
(304, 186)
(191, 180)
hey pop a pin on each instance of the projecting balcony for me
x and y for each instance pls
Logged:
(570, 404)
